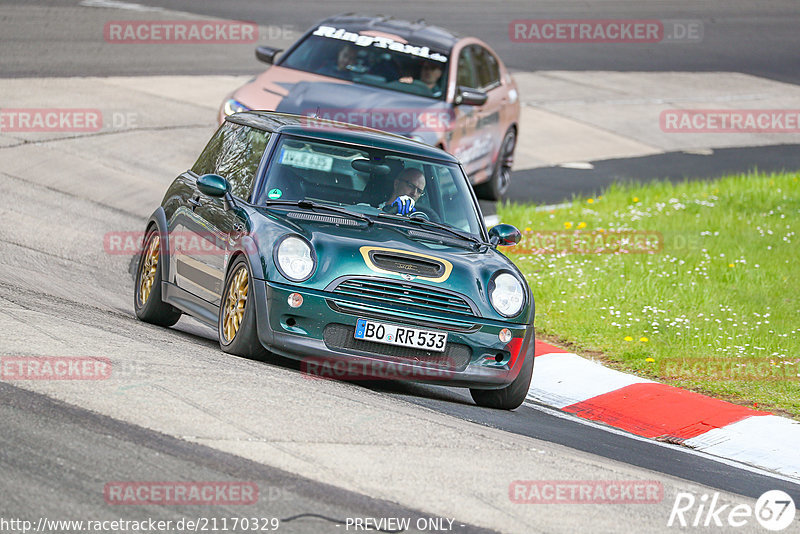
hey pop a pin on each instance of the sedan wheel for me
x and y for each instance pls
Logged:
(498, 184)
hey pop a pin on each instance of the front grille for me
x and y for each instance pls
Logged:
(404, 296)
(402, 263)
(340, 337)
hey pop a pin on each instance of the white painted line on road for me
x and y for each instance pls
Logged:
(686, 450)
(491, 220)
(579, 165)
(115, 4)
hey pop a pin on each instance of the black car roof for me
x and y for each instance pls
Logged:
(417, 33)
(299, 125)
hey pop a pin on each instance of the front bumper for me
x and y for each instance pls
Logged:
(320, 334)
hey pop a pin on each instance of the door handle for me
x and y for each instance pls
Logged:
(195, 202)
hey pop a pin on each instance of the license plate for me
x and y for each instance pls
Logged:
(402, 336)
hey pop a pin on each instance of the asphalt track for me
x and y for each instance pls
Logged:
(314, 447)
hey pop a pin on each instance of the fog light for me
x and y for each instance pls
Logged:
(295, 300)
(505, 335)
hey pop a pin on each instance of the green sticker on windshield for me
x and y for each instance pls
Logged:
(275, 193)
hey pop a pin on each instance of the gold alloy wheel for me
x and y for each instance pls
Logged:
(149, 265)
(235, 302)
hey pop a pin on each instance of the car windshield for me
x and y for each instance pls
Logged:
(370, 60)
(367, 180)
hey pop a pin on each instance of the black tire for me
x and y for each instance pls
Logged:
(244, 341)
(147, 303)
(511, 396)
(498, 184)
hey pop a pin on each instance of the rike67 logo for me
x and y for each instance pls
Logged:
(774, 510)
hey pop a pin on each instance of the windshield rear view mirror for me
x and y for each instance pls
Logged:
(365, 165)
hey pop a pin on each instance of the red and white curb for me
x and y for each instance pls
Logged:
(649, 409)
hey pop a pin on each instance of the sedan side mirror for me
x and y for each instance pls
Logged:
(470, 97)
(267, 54)
(504, 235)
(213, 185)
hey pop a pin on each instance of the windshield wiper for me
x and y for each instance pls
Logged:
(441, 226)
(310, 205)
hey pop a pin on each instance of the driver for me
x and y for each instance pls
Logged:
(409, 186)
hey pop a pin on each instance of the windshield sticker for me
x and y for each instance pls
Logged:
(306, 160)
(379, 42)
(274, 194)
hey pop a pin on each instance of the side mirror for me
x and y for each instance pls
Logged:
(267, 54)
(470, 97)
(213, 185)
(504, 235)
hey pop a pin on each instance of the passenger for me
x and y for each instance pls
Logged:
(430, 74)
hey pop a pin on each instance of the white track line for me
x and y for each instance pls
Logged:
(612, 430)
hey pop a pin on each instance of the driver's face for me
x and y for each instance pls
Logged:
(347, 56)
(413, 187)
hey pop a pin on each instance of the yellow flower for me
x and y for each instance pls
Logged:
(581, 225)
(730, 265)
(650, 360)
(567, 225)
(590, 201)
(527, 228)
(628, 338)
(600, 230)
(643, 339)
(636, 199)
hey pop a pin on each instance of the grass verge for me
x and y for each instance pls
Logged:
(708, 297)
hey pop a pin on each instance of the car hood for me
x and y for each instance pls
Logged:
(292, 91)
(348, 251)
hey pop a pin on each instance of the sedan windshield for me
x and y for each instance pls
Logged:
(369, 60)
(367, 181)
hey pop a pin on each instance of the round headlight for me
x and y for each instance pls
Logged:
(507, 294)
(295, 259)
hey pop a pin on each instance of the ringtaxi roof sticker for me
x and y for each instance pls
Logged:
(378, 42)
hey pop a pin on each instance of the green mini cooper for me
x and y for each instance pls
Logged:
(362, 254)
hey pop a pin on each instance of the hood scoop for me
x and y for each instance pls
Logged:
(407, 264)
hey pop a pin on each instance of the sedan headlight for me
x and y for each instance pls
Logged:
(232, 106)
(506, 294)
(295, 258)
